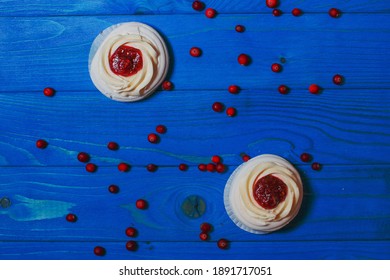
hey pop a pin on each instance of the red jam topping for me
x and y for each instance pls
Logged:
(269, 191)
(126, 61)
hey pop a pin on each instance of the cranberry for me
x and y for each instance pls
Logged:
(277, 12)
(49, 92)
(245, 157)
(167, 85)
(211, 167)
(216, 159)
(141, 204)
(276, 67)
(83, 157)
(272, 3)
(269, 191)
(234, 89)
(131, 232)
(240, 28)
(113, 189)
(296, 12)
(91, 167)
(338, 79)
(153, 138)
(197, 6)
(210, 13)
(195, 52)
(305, 157)
(220, 168)
(151, 167)
(218, 107)
(283, 89)
(243, 59)
(131, 245)
(231, 112)
(314, 89)
(183, 166)
(202, 167)
(99, 251)
(223, 243)
(205, 227)
(113, 146)
(316, 166)
(335, 13)
(41, 144)
(123, 167)
(203, 236)
(161, 129)
(71, 218)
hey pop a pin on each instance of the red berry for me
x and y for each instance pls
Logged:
(296, 12)
(203, 236)
(216, 159)
(335, 13)
(283, 89)
(276, 67)
(243, 59)
(131, 232)
(112, 146)
(167, 85)
(71, 218)
(245, 157)
(131, 245)
(113, 189)
(197, 6)
(220, 168)
(151, 167)
(161, 129)
(195, 52)
(272, 3)
(83, 157)
(141, 204)
(316, 166)
(223, 243)
(153, 138)
(314, 89)
(211, 167)
(123, 167)
(41, 144)
(231, 112)
(205, 227)
(210, 13)
(240, 28)
(277, 12)
(49, 92)
(99, 251)
(338, 79)
(218, 107)
(183, 166)
(90, 167)
(202, 167)
(305, 157)
(233, 89)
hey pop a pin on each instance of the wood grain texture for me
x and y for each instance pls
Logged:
(120, 7)
(53, 51)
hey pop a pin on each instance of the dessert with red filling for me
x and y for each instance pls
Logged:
(263, 194)
(128, 61)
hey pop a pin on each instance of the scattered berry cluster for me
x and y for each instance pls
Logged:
(205, 229)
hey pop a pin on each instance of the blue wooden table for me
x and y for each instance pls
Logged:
(346, 205)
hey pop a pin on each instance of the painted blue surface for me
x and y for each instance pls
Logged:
(346, 208)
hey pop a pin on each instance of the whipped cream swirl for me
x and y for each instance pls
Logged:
(241, 205)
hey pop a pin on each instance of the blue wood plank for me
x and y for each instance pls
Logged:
(328, 250)
(120, 7)
(339, 204)
(329, 126)
(40, 52)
